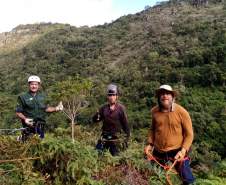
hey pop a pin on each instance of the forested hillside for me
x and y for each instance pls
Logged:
(181, 43)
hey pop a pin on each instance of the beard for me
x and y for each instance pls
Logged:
(166, 104)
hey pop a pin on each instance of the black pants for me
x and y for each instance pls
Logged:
(182, 167)
(38, 128)
(108, 142)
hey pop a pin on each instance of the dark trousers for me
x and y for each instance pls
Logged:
(183, 167)
(107, 145)
(38, 128)
(108, 141)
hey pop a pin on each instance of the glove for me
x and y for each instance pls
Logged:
(98, 116)
(180, 155)
(60, 106)
(29, 122)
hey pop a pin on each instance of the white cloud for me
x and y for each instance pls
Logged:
(74, 12)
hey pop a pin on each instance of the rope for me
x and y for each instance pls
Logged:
(7, 171)
(12, 130)
(8, 129)
(167, 172)
(167, 168)
(15, 160)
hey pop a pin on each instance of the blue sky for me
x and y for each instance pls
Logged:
(73, 12)
(132, 6)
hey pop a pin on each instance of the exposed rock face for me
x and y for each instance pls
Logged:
(22, 35)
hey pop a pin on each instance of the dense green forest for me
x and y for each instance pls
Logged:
(181, 43)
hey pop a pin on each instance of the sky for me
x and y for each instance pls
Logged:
(74, 12)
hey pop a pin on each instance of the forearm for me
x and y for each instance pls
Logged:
(20, 115)
(51, 109)
(124, 122)
(125, 126)
(127, 131)
(187, 141)
(188, 136)
(150, 137)
(150, 143)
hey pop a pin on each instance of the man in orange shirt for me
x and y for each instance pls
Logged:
(171, 133)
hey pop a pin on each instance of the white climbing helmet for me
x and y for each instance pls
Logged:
(34, 78)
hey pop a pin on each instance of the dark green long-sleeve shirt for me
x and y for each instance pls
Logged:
(32, 106)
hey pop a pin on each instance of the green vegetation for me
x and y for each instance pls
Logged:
(56, 160)
(174, 43)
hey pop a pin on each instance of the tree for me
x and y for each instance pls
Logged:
(73, 93)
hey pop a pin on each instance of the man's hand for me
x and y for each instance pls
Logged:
(60, 106)
(148, 149)
(98, 116)
(180, 155)
(29, 122)
(126, 142)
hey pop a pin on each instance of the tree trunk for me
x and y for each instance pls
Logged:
(73, 131)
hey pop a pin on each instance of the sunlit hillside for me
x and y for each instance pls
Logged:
(181, 43)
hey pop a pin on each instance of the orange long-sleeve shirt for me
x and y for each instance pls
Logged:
(171, 130)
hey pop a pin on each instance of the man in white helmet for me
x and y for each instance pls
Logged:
(31, 109)
(171, 133)
(114, 118)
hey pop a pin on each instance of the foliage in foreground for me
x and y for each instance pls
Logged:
(56, 160)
